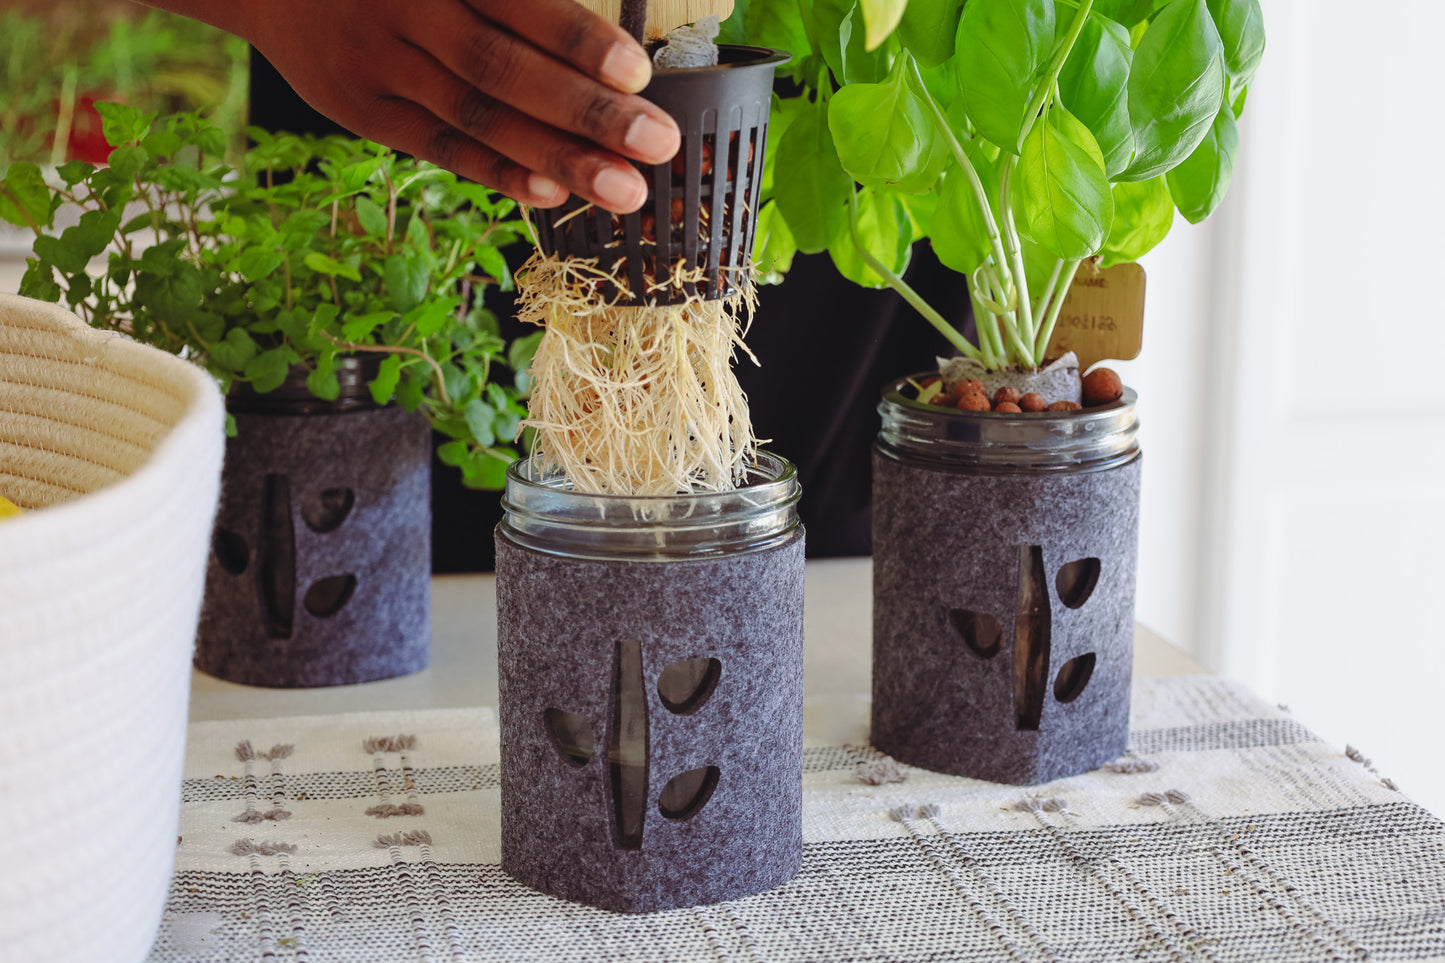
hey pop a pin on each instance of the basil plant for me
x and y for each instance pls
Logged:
(1020, 137)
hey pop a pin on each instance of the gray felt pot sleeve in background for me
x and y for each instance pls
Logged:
(951, 555)
(320, 571)
(563, 625)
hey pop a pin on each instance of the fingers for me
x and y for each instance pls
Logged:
(414, 130)
(516, 73)
(465, 119)
(574, 35)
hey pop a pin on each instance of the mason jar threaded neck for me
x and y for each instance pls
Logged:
(1093, 439)
(541, 511)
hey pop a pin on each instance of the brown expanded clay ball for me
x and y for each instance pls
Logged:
(1102, 386)
(964, 387)
(1033, 401)
(974, 401)
(1065, 406)
(1007, 408)
(1007, 395)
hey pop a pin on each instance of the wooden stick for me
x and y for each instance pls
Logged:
(634, 18)
(665, 15)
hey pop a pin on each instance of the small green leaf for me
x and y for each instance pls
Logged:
(235, 351)
(54, 250)
(884, 231)
(268, 369)
(1176, 87)
(159, 143)
(258, 263)
(1061, 191)
(122, 124)
(38, 281)
(25, 199)
(1199, 184)
(322, 264)
(73, 172)
(1143, 214)
(479, 417)
(383, 386)
(128, 161)
(491, 260)
(406, 280)
(521, 351)
(810, 184)
(358, 328)
(431, 316)
(769, 23)
(1003, 46)
(371, 217)
(322, 381)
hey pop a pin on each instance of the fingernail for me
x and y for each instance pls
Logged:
(626, 67)
(542, 187)
(619, 190)
(651, 140)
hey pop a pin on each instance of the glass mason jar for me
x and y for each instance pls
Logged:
(1004, 556)
(650, 654)
(320, 570)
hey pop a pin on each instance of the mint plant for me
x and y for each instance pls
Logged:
(1020, 136)
(312, 250)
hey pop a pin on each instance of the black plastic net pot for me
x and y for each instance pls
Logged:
(701, 208)
(320, 569)
(651, 691)
(1004, 556)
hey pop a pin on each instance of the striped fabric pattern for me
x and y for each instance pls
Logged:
(1229, 833)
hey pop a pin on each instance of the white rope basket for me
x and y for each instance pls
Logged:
(114, 451)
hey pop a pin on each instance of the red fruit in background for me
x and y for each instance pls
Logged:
(87, 137)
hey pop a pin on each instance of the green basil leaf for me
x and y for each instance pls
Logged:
(383, 386)
(773, 246)
(1143, 214)
(1176, 87)
(232, 353)
(885, 134)
(1241, 30)
(960, 233)
(884, 230)
(1003, 45)
(880, 18)
(929, 29)
(771, 23)
(487, 469)
(1127, 12)
(810, 184)
(1200, 183)
(1094, 87)
(733, 29)
(1061, 191)
(842, 37)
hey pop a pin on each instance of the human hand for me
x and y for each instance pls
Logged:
(534, 98)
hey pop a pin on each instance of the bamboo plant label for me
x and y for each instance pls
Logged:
(1103, 315)
(664, 15)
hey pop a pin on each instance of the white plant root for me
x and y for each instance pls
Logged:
(635, 400)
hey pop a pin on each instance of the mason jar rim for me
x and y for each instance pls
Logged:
(541, 511)
(1091, 439)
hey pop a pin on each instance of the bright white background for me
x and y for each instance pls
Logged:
(1293, 392)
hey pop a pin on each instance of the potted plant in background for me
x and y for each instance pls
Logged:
(336, 292)
(1026, 139)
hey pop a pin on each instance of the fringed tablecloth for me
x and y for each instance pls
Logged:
(1228, 833)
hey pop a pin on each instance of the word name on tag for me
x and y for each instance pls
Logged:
(1103, 315)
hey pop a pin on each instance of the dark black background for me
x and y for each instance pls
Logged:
(826, 347)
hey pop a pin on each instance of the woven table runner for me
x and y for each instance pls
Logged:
(1228, 833)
